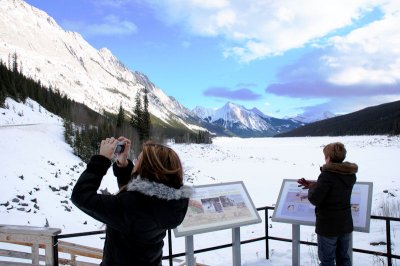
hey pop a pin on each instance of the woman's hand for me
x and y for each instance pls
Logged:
(107, 147)
(122, 158)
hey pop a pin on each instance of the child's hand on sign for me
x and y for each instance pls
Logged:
(305, 184)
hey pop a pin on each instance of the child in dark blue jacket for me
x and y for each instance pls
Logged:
(331, 196)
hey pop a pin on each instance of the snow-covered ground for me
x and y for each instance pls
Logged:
(38, 171)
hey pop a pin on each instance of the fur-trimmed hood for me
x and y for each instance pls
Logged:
(158, 190)
(168, 205)
(345, 168)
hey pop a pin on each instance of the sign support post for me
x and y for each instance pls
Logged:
(236, 256)
(189, 250)
(295, 244)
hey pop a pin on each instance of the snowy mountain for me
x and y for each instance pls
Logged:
(313, 117)
(65, 61)
(244, 122)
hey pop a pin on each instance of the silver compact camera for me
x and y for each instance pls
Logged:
(120, 147)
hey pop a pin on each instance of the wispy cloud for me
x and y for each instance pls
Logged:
(369, 55)
(256, 29)
(226, 93)
(346, 105)
(321, 89)
(247, 85)
(111, 26)
(113, 3)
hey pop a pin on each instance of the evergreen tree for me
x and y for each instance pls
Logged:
(77, 143)
(22, 87)
(136, 119)
(69, 132)
(120, 117)
(3, 90)
(21, 68)
(12, 91)
(146, 117)
(137, 112)
(2, 96)
(9, 61)
(140, 119)
(15, 62)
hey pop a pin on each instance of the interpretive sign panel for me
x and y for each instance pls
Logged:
(216, 207)
(293, 206)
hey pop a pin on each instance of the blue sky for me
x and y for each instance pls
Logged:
(282, 57)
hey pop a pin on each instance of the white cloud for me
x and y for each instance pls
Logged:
(258, 28)
(368, 55)
(208, 4)
(364, 62)
(112, 25)
(113, 3)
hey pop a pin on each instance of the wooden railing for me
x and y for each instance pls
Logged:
(35, 237)
(42, 238)
(75, 250)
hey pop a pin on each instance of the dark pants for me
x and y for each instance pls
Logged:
(334, 248)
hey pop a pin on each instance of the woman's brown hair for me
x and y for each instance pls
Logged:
(335, 151)
(159, 163)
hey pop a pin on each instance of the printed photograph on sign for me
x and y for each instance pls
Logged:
(296, 203)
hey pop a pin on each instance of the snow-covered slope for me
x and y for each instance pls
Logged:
(38, 169)
(64, 60)
(38, 172)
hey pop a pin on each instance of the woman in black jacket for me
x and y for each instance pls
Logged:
(151, 200)
(331, 196)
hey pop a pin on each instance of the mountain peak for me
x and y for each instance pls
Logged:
(244, 122)
(233, 105)
(105, 52)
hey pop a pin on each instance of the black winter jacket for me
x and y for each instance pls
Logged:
(331, 197)
(136, 219)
